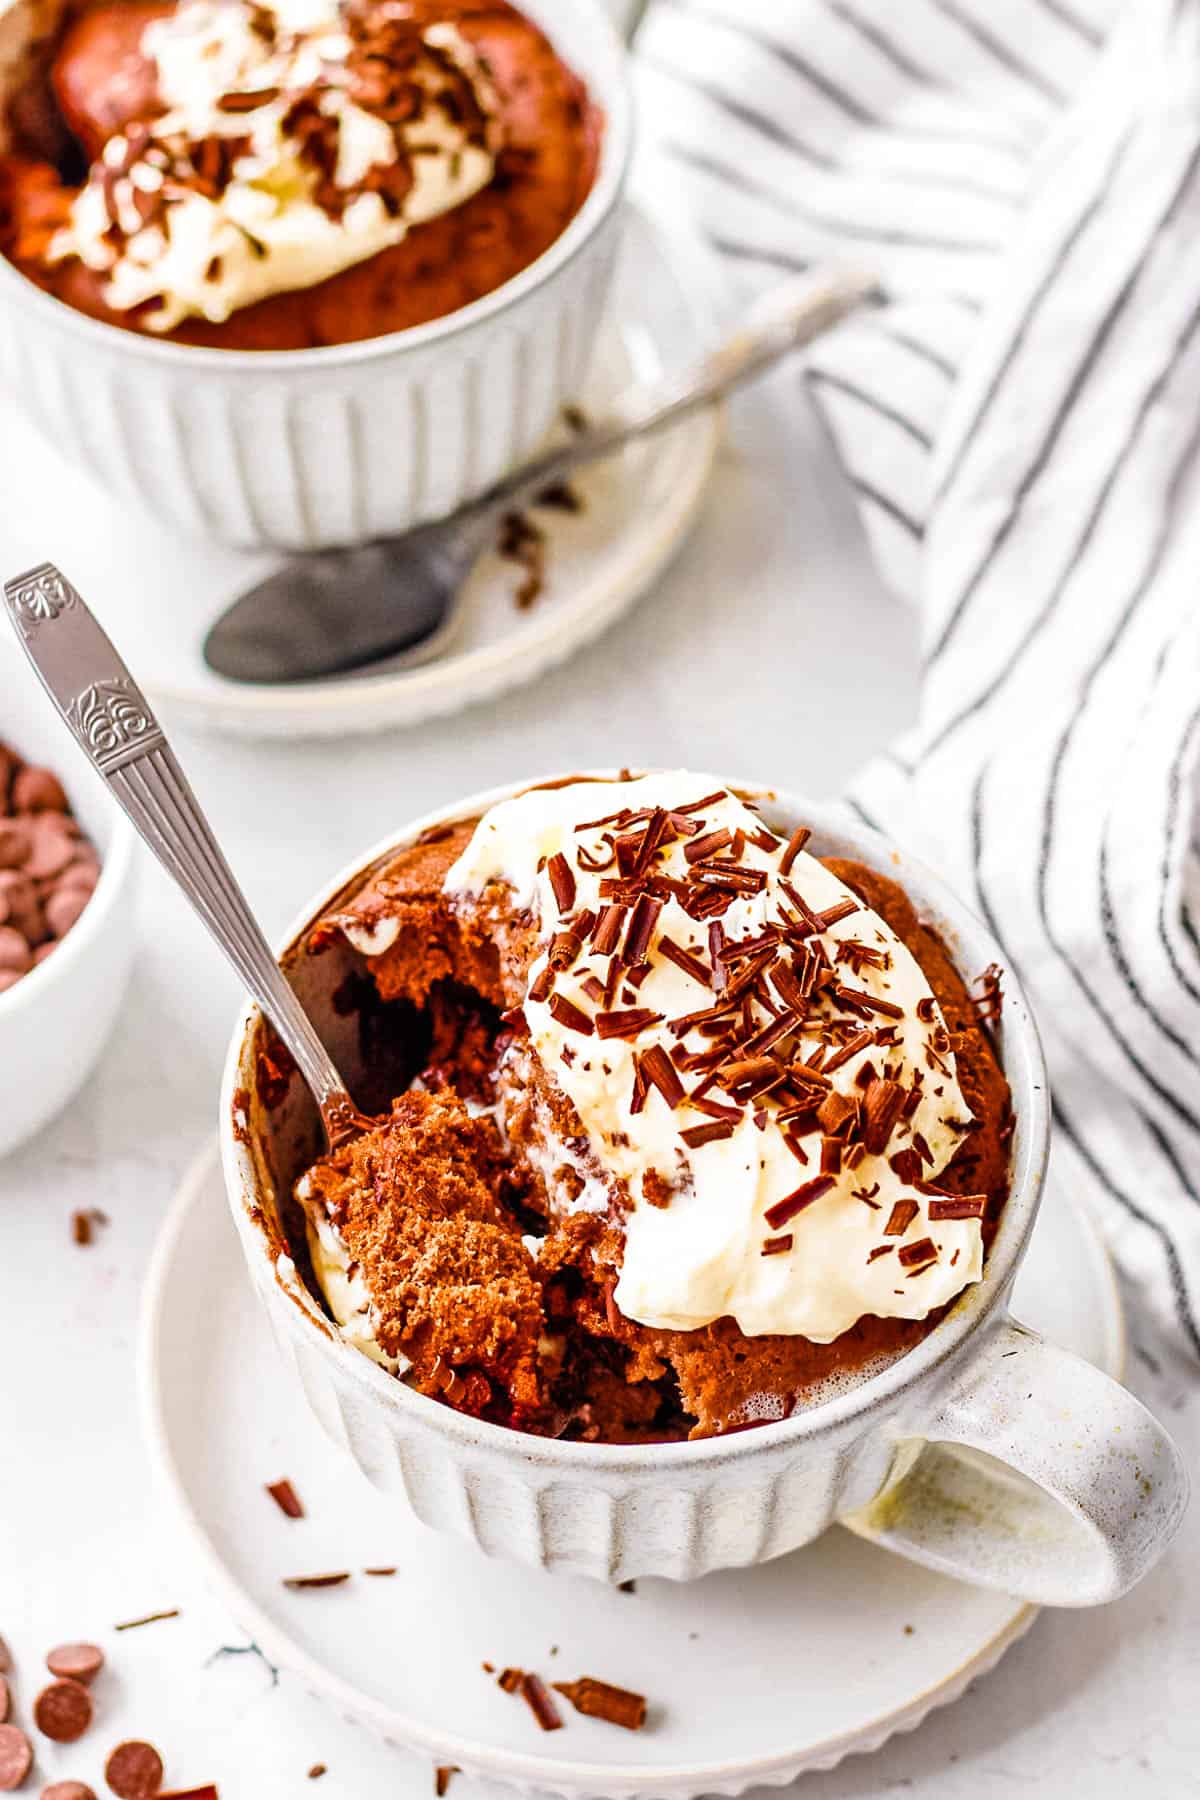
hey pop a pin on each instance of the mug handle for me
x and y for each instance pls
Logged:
(1077, 1492)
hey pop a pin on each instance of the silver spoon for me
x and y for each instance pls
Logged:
(333, 611)
(117, 731)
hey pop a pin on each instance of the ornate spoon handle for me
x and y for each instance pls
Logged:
(117, 731)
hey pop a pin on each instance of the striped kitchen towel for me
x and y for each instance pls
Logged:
(1021, 424)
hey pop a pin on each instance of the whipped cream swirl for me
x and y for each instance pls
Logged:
(300, 137)
(757, 1060)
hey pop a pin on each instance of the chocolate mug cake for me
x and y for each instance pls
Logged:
(290, 174)
(688, 1129)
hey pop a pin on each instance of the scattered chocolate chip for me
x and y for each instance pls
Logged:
(16, 1758)
(63, 1711)
(316, 1772)
(600, 1700)
(134, 1771)
(76, 1662)
(286, 1498)
(68, 1790)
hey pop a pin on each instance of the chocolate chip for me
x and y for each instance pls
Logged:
(76, 1662)
(16, 1758)
(16, 957)
(63, 908)
(36, 790)
(52, 845)
(5, 1700)
(68, 1790)
(63, 1711)
(19, 904)
(8, 979)
(6, 1661)
(134, 1771)
(14, 843)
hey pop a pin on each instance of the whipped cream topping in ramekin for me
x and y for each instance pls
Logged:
(300, 137)
(753, 1053)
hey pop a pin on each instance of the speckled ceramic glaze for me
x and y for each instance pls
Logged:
(984, 1453)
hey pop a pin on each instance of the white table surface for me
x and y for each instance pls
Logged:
(1092, 1704)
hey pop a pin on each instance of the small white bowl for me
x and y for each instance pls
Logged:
(305, 448)
(57, 1019)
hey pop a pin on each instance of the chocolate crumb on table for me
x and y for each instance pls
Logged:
(601, 1700)
(536, 1696)
(63, 1711)
(76, 1662)
(134, 1771)
(168, 1612)
(286, 1498)
(442, 1776)
(317, 1581)
(316, 1772)
(523, 541)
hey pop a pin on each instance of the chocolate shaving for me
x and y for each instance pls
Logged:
(795, 845)
(707, 845)
(795, 1202)
(833, 915)
(562, 880)
(657, 1068)
(697, 1135)
(880, 1250)
(317, 1581)
(641, 926)
(695, 806)
(685, 960)
(570, 1016)
(924, 1250)
(536, 1696)
(607, 933)
(441, 1778)
(858, 1000)
(900, 1218)
(882, 1105)
(777, 1246)
(964, 1206)
(626, 1023)
(510, 1680)
(286, 1498)
(600, 1700)
(849, 1049)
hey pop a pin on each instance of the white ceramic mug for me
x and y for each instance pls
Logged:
(984, 1452)
(305, 448)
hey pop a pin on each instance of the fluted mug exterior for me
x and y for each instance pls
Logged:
(1093, 1488)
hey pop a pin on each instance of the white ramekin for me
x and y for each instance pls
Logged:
(306, 448)
(57, 1019)
(1100, 1487)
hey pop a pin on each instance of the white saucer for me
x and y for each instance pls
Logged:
(753, 1676)
(157, 593)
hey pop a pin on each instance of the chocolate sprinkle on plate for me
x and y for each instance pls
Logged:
(600, 1700)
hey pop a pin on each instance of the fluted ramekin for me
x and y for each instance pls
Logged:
(1098, 1488)
(305, 448)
